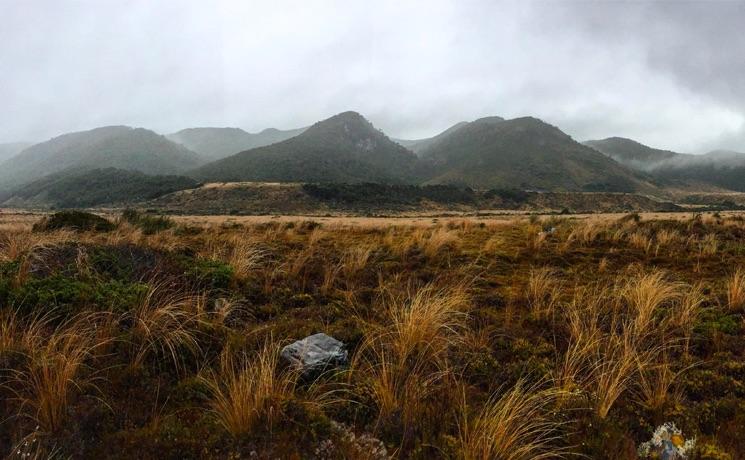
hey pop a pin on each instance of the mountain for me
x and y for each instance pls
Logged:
(121, 147)
(523, 153)
(217, 143)
(343, 148)
(418, 145)
(720, 169)
(631, 153)
(12, 149)
(95, 187)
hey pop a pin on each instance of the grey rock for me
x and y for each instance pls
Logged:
(315, 354)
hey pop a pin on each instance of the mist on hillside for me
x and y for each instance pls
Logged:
(412, 71)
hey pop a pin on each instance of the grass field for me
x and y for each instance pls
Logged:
(497, 337)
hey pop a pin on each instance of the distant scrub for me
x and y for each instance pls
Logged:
(74, 220)
(148, 224)
(99, 186)
(508, 194)
(385, 195)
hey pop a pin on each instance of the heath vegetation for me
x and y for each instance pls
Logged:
(141, 336)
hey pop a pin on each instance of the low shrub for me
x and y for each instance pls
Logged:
(149, 225)
(74, 220)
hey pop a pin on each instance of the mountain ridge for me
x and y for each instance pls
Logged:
(121, 147)
(527, 153)
(343, 148)
(215, 143)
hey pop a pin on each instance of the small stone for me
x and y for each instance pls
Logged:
(315, 354)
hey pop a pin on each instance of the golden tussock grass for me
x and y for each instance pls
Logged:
(645, 294)
(241, 252)
(161, 326)
(616, 363)
(53, 371)
(14, 245)
(514, 426)
(430, 319)
(543, 291)
(403, 359)
(439, 240)
(709, 245)
(687, 312)
(396, 386)
(248, 389)
(584, 234)
(735, 286)
(667, 238)
(640, 240)
(656, 379)
(20, 334)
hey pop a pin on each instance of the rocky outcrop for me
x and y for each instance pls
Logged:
(315, 354)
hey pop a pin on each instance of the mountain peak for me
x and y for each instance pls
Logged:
(343, 148)
(490, 120)
(122, 147)
(346, 125)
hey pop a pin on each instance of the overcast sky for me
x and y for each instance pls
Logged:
(670, 74)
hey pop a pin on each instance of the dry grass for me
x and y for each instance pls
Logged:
(655, 381)
(53, 373)
(431, 319)
(398, 387)
(245, 257)
(709, 245)
(645, 294)
(439, 240)
(616, 364)
(404, 360)
(543, 291)
(419, 335)
(584, 234)
(640, 240)
(574, 369)
(687, 313)
(515, 426)
(14, 245)
(22, 335)
(161, 325)
(354, 261)
(248, 390)
(735, 286)
(667, 237)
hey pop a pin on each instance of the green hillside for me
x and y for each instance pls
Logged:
(120, 147)
(525, 153)
(11, 149)
(720, 169)
(631, 153)
(95, 187)
(343, 148)
(217, 143)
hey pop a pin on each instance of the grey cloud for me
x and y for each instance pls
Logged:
(665, 73)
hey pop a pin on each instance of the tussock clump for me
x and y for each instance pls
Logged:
(645, 294)
(543, 291)
(515, 426)
(439, 240)
(248, 390)
(149, 225)
(736, 290)
(55, 368)
(161, 326)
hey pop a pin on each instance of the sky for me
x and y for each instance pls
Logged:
(670, 74)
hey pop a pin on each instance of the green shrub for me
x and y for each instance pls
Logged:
(211, 274)
(74, 220)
